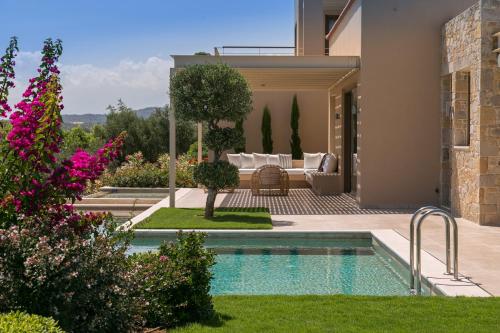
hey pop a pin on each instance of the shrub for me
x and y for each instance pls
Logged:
(184, 170)
(16, 322)
(192, 152)
(267, 132)
(136, 172)
(175, 282)
(83, 282)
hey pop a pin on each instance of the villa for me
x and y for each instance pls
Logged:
(405, 93)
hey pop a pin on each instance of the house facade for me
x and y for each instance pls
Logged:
(406, 93)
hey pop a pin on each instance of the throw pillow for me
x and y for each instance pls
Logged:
(273, 159)
(234, 159)
(322, 163)
(331, 164)
(285, 161)
(312, 161)
(260, 160)
(247, 161)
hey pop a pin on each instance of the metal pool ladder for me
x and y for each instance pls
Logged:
(415, 227)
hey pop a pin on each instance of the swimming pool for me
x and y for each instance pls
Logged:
(298, 264)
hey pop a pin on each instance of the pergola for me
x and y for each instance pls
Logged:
(266, 73)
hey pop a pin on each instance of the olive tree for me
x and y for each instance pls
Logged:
(216, 95)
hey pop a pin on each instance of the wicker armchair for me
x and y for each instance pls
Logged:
(270, 180)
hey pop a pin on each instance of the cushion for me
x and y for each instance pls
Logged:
(331, 163)
(312, 161)
(322, 163)
(246, 171)
(259, 160)
(273, 159)
(247, 161)
(285, 161)
(234, 159)
(294, 171)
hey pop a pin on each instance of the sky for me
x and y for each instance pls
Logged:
(121, 48)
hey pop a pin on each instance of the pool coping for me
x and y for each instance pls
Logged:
(433, 270)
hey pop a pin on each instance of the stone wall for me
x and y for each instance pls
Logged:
(489, 195)
(470, 179)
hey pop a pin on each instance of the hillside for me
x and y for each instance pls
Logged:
(90, 119)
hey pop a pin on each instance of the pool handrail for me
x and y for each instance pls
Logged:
(416, 272)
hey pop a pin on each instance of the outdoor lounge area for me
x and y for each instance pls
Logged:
(317, 171)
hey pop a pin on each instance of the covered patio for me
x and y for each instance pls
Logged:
(271, 78)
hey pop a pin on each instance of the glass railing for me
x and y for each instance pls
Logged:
(255, 50)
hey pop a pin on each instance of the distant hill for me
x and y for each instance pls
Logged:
(90, 119)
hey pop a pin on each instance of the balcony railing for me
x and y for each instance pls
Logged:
(255, 50)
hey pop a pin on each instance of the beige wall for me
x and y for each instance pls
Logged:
(346, 40)
(313, 124)
(400, 117)
(310, 21)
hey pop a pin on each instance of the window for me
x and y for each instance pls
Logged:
(329, 22)
(461, 101)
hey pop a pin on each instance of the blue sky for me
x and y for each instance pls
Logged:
(120, 48)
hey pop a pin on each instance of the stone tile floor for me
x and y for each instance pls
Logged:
(302, 202)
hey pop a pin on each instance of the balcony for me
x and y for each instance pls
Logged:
(255, 50)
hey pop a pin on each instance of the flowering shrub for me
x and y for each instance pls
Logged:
(175, 282)
(55, 261)
(15, 322)
(136, 172)
(184, 169)
(84, 283)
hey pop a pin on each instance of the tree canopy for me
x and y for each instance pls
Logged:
(147, 135)
(214, 94)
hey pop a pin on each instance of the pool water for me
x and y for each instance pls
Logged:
(299, 266)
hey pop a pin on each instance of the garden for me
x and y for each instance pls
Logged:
(62, 270)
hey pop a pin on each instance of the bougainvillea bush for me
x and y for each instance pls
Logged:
(55, 261)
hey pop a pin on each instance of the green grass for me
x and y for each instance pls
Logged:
(350, 314)
(192, 218)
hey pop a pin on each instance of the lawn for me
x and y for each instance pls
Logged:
(350, 314)
(192, 218)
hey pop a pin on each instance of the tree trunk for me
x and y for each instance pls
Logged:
(209, 208)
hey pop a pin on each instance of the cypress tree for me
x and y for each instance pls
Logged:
(267, 133)
(240, 146)
(294, 123)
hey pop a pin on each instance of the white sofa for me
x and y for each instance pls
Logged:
(295, 168)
